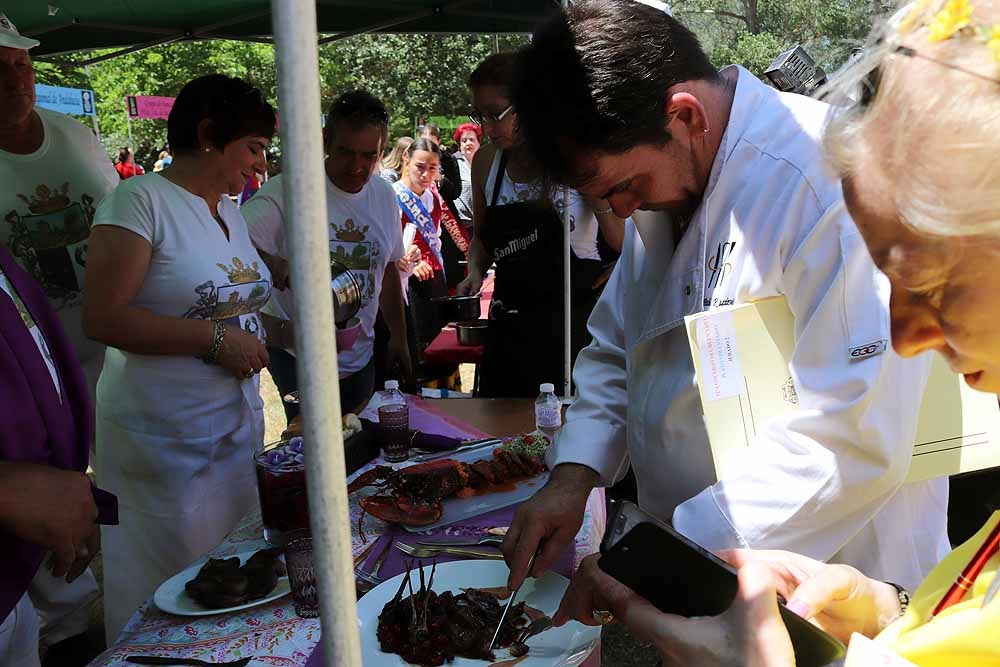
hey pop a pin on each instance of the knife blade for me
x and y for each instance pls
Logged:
(475, 444)
(510, 603)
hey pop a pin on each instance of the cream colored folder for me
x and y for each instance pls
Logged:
(741, 356)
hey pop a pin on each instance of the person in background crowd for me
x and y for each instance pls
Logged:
(392, 164)
(125, 167)
(160, 163)
(521, 229)
(250, 188)
(449, 187)
(423, 214)
(363, 221)
(919, 181)
(468, 136)
(619, 100)
(53, 174)
(174, 290)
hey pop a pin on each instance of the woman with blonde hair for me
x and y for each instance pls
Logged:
(916, 154)
(392, 164)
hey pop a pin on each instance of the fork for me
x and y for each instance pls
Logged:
(430, 552)
(160, 660)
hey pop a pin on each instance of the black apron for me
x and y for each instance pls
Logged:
(524, 346)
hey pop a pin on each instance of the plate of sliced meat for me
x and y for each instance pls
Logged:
(447, 614)
(425, 496)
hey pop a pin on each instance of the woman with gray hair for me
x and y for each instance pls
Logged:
(917, 159)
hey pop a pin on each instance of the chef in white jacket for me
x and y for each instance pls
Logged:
(635, 113)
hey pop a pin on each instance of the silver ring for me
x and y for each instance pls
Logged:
(603, 616)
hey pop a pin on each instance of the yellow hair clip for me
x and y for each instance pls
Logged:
(954, 19)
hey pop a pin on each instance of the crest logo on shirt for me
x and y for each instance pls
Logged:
(349, 232)
(240, 273)
(719, 266)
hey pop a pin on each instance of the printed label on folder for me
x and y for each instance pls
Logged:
(721, 376)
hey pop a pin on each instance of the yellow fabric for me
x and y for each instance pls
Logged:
(964, 635)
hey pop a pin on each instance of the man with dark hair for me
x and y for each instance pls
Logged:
(617, 100)
(365, 235)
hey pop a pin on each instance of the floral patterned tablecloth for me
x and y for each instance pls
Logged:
(271, 632)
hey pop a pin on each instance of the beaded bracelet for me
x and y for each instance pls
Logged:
(218, 334)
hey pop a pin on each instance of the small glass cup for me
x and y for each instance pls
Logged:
(301, 574)
(281, 485)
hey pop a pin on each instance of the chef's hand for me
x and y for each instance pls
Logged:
(546, 524)
(749, 634)
(399, 355)
(423, 271)
(52, 508)
(470, 286)
(242, 354)
(837, 598)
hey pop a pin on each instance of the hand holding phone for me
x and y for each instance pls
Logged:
(679, 577)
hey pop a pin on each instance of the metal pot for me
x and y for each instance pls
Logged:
(346, 292)
(457, 308)
(472, 332)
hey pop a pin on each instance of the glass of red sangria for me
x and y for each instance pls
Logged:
(281, 483)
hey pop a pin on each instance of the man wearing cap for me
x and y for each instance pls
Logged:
(53, 174)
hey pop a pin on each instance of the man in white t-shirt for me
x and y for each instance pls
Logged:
(365, 234)
(53, 174)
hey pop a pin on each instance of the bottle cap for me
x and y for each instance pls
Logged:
(390, 385)
(547, 388)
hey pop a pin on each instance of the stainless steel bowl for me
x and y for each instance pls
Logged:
(346, 292)
(472, 332)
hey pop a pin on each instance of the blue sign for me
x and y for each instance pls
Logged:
(75, 101)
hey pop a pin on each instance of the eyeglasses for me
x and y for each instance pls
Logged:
(481, 119)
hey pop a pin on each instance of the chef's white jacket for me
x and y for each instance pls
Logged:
(826, 481)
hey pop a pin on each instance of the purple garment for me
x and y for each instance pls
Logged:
(37, 427)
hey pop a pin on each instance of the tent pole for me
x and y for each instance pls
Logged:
(567, 299)
(295, 36)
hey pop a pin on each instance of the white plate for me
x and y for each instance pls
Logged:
(171, 597)
(454, 509)
(556, 647)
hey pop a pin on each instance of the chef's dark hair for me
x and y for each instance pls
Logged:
(595, 77)
(234, 109)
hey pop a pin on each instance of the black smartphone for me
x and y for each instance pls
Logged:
(679, 577)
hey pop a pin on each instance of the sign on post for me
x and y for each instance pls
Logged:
(74, 101)
(148, 106)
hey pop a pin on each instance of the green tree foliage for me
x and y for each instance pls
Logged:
(424, 75)
(752, 32)
(415, 75)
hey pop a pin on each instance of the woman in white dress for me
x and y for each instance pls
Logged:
(175, 290)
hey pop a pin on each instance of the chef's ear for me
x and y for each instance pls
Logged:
(686, 110)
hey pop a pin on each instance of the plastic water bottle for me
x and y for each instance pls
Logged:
(394, 423)
(548, 411)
